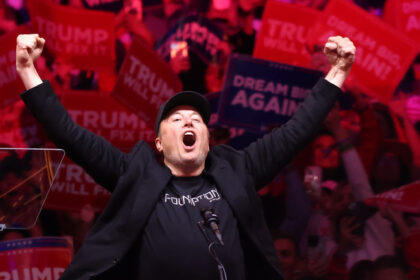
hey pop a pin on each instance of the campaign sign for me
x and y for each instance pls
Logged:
(283, 33)
(104, 116)
(145, 82)
(405, 16)
(383, 54)
(405, 198)
(258, 93)
(83, 37)
(10, 83)
(35, 258)
(239, 138)
(199, 33)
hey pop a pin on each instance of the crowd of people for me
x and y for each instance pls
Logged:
(315, 209)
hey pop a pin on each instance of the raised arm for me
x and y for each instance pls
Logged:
(97, 156)
(28, 48)
(268, 155)
(341, 53)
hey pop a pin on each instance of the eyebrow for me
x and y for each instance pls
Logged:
(194, 113)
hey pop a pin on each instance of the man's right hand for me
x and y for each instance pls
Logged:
(28, 49)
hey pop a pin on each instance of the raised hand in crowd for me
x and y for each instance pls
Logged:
(398, 107)
(332, 122)
(347, 240)
(341, 54)
(130, 19)
(318, 266)
(396, 217)
(28, 48)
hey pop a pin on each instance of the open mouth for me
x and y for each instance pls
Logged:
(189, 138)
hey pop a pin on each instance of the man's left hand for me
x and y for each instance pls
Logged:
(340, 52)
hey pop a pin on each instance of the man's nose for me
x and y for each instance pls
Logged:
(188, 122)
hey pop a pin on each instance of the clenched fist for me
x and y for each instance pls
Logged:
(28, 49)
(340, 52)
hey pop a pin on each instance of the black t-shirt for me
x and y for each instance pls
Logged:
(172, 245)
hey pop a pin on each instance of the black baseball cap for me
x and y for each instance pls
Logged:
(190, 98)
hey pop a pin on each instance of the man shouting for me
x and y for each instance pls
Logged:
(149, 228)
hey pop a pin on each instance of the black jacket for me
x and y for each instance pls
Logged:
(137, 181)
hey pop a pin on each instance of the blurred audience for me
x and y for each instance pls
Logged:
(322, 229)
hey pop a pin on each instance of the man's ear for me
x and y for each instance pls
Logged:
(158, 144)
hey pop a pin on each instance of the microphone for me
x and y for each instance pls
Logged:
(210, 218)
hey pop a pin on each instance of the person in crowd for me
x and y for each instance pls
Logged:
(410, 237)
(362, 270)
(287, 253)
(389, 267)
(146, 226)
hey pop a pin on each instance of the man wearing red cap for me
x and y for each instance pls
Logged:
(149, 228)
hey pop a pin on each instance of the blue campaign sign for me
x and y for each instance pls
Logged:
(239, 138)
(259, 94)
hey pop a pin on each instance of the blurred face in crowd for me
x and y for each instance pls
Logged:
(184, 140)
(325, 154)
(350, 120)
(226, 18)
(392, 273)
(213, 78)
(341, 199)
(386, 174)
(286, 253)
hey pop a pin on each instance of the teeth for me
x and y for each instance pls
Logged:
(189, 133)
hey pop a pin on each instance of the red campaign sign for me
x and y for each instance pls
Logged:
(35, 258)
(104, 116)
(83, 37)
(73, 189)
(145, 81)
(10, 83)
(383, 54)
(405, 16)
(283, 33)
(405, 198)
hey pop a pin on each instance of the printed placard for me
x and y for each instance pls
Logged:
(145, 82)
(405, 16)
(35, 258)
(85, 38)
(103, 115)
(383, 54)
(259, 94)
(405, 198)
(283, 33)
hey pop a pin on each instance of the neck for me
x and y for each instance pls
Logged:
(188, 170)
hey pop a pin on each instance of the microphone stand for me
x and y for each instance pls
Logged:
(220, 267)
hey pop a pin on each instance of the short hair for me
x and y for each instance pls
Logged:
(390, 261)
(362, 270)
(279, 234)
